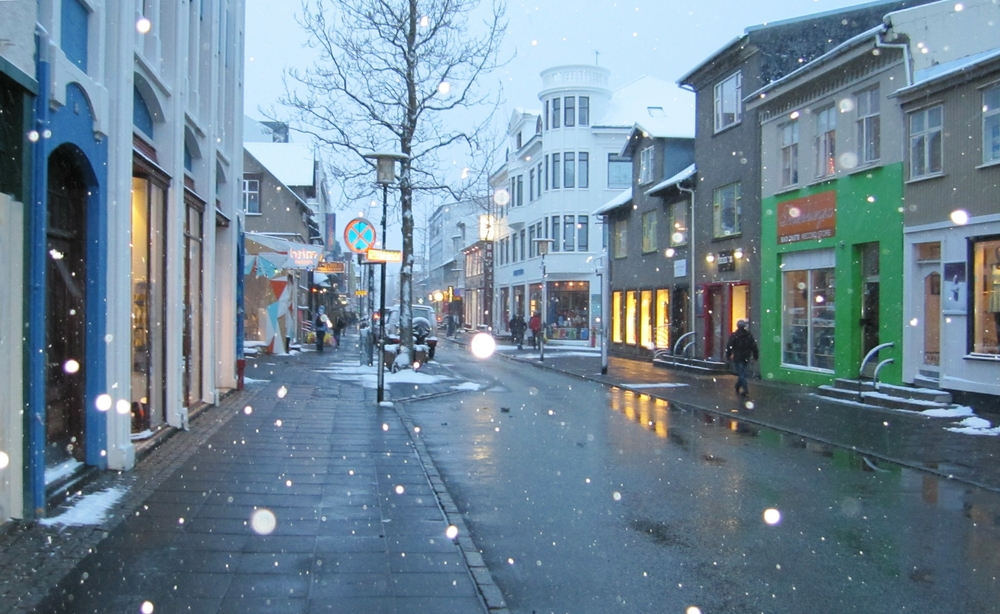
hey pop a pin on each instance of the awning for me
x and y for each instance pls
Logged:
(265, 255)
(618, 201)
(679, 177)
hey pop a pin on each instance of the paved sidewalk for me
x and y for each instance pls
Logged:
(298, 494)
(907, 438)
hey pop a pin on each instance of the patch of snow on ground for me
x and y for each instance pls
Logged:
(250, 380)
(975, 425)
(368, 376)
(466, 386)
(90, 509)
(142, 435)
(949, 412)
(54, 474)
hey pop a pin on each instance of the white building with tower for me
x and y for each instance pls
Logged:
(563, 162)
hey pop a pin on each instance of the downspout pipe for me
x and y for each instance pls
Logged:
(905, 47)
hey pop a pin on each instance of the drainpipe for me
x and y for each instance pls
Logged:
(905, 47)
(692, 317)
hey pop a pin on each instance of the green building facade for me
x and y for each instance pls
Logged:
(832, 278)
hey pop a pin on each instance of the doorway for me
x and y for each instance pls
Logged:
(65, 322)
(870, 304)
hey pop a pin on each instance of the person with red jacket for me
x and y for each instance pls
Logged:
(535, 326)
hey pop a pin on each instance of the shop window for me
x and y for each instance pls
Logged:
(630, 305)
(807, 312)
(649, 231)
(661, 334)
(726, 210)
(569, 310)
(986, 307)
(646, 319)
(616, 317)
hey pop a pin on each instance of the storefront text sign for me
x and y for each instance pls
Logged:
(808, 218)
(304, 257)
(725, 261)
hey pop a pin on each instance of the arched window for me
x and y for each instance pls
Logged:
(141, 117)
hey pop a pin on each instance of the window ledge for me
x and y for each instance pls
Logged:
(788, 188)
(982, 357)
(252, 214)
(727, 128)
(927, 177)
(735, 235)
(805, 368)
(866, 167)
(990, 164)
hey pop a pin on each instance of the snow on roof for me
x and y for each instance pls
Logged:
(679, 177)
(660, 107)
(614, 203)
(291, 163)
(947, 69)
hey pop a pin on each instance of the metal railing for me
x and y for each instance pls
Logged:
(871, 354)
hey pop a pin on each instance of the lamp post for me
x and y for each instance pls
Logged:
(385, 174)
(543, 248)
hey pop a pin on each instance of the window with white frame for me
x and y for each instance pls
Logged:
(789, 153)
(556, 223)
(584, 110)
(251, 196)
(569, 169)
(570, 112)
(825, 144)
(726, 210)
(556, 171)
(649, 231)
(868, 125)
(556, 112)
(926, 142)
(728, 101)
(991, 124)
(678, 224)
(619, 172)
(583, 170)
(646, 165)
(582, 233)
(569, 236)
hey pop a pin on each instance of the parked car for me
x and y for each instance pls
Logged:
(418, 311)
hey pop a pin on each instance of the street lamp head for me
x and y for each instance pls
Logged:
(543, 245)
(385, 165)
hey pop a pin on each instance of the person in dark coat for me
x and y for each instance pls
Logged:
(741, 349)
(517, 327)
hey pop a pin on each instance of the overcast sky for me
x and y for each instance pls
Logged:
(660, 38)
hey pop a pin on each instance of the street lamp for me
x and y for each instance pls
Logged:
(543, 248)
(385, 174)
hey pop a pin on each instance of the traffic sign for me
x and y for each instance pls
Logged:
(359, 234)
(385, 255)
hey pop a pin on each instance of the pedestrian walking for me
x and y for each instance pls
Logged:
(741, 349)
(517, 326)
(338, 331)
(321, 326)
(535, 324)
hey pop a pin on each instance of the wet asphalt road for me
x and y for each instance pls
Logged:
(585, 498)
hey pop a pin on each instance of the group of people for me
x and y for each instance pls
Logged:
(518, 327)
(324, 325)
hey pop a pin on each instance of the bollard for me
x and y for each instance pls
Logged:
(241, 365)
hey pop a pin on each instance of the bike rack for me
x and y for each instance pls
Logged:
(676, 345)
(868, 356)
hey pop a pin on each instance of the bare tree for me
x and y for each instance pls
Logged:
(389, 73)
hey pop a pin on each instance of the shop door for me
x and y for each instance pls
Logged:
(65, 322)
(869, 301)
(931, 318)
(715, 322)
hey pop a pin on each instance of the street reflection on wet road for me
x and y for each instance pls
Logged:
(585, 498)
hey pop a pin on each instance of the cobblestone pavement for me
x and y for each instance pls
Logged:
(361, 512)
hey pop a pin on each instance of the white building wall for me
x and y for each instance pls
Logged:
(11, 348)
